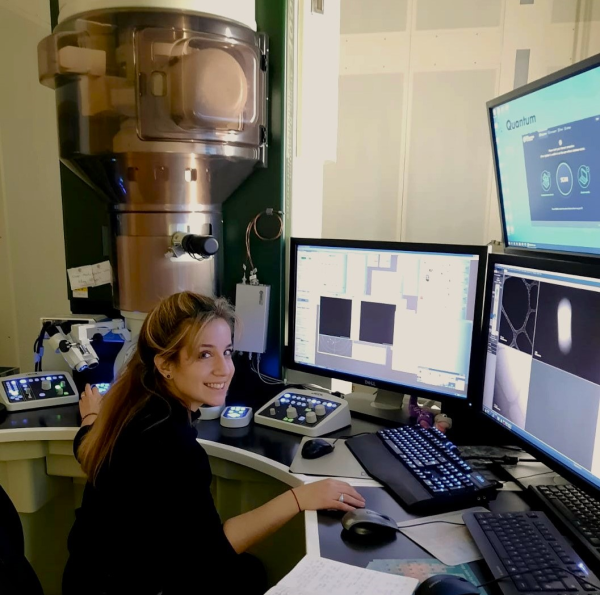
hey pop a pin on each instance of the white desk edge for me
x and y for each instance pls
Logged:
(226, 452)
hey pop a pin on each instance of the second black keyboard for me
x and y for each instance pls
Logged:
(578, 513)
(528, 547)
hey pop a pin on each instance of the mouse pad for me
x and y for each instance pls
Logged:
(339, 463)
(422, 569)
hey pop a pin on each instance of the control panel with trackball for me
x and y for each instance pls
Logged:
(306, 412)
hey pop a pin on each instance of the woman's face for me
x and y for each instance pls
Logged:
(203, 377)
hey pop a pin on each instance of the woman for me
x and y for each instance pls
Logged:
(148, 524)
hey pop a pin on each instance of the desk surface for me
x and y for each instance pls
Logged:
(270, 451)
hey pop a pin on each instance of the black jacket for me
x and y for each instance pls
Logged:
(149, 525)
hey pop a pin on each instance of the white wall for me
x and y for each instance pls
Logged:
(413, 160)
(32, 260)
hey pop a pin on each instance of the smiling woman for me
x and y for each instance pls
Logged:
(148, 521)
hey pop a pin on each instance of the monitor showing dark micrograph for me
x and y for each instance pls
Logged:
(542, 378)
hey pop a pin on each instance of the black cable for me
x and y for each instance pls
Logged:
(38, 346)
(348, 437)
(430, 523)
(504, 459)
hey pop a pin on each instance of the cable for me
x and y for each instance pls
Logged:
(38, 347)
(429, 523)
(263, 377)
(348, 437)
(252, 226)
(505, 459)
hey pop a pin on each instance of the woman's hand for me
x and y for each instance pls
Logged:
(326, 494)
(89, 405)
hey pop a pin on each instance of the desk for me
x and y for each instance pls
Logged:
(250, 466)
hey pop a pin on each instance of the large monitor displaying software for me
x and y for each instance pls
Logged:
(546, 143)
(389, 315)
(542, 371)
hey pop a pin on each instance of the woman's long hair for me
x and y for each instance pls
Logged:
(174, 324)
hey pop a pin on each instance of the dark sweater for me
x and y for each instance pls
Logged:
(149, 525)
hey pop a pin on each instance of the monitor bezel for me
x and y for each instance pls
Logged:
(541, 264)
(546, 81)
(473, 380)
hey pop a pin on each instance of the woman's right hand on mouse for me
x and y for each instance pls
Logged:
(325, 494)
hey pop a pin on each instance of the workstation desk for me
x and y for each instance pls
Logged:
(250, 465)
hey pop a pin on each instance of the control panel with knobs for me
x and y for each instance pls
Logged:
(35, 390)
(306, 412)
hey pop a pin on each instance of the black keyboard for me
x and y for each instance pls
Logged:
(527, 546)
(422, 469)
(578, 514)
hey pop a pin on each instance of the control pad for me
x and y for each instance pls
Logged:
(306, 412)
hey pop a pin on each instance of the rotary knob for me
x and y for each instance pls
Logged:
(291, 412)
(277, 403)
(311, 417)
(320, 410)
(272, 411)
(46, 385)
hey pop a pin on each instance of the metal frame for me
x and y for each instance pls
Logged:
(555, 77)
(552, 266)
(473, 381)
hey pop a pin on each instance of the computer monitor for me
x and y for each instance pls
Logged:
(542, 365)
(546, 145)
(396, 316)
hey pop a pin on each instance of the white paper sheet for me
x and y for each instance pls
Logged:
(321, 576)
(81, 277)
(450, 544)
(102, 273)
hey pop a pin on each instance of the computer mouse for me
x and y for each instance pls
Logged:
(368, 523)
(446, 584)
(313, 449)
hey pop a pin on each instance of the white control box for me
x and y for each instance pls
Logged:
(305, 412)
(37, 389)
(252, 314)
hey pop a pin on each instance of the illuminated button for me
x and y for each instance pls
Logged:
(320, 410)
(291, 412)
(301, 418)
(308, 409)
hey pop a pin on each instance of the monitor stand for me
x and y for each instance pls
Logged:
(384, 405)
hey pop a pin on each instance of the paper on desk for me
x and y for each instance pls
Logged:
(450, 544)
(423, 568)
(320, 576)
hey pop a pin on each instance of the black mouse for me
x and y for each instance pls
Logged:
(368, 523)
(313, 449)
(446, 584)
